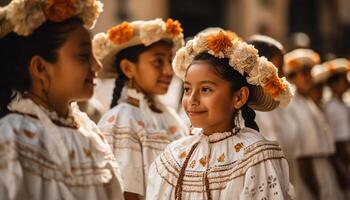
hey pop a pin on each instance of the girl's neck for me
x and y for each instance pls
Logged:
(209, 131)
(61, 108)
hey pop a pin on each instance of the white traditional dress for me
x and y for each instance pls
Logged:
(315, 141)
(46, 157)
(138, 135)
(338, 116)
(231, 165)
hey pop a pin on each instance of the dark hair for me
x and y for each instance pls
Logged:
(17, 52)
(333, 79)
(222, 68)
(132, 54)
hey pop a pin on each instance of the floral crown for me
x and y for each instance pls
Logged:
(242, 57)
(124, 35)
(25, 16)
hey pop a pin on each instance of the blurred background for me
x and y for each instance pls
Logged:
(322, 25)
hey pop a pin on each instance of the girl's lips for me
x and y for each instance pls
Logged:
(165, 80)
(194, 113)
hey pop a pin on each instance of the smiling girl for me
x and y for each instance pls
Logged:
(226, 157)
(138, 126)
(48, 148)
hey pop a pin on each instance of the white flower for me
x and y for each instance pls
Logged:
(152, 31)
(90, 12)
(200, 44)
(25, 15)
(181, 62)
(101, 45)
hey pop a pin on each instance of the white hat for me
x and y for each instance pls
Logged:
(298, 58)
(107, 45)
(268, 91)
(24, 16)
(321, 73)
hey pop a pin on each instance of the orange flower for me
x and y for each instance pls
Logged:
(121, 33)
(220, 41)
(59, 10)
(173, 27)
(274, 87)
(331, 67)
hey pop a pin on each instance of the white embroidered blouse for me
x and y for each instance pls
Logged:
(46, 157)
(138, 135)
(232, 165)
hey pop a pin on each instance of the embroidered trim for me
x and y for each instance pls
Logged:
(218, 176)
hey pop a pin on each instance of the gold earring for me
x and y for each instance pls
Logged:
(130, 83)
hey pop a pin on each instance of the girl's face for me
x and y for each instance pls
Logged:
(72, 76)
(208, 99)
(153, 72)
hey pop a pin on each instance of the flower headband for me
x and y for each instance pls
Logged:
(124, 35)
(27, 15)
(242, 57)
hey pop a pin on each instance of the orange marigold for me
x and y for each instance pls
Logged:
(219, 42)
(331, 67)
(173, 27)
(59, 10)
(274, 87)
(121, 33)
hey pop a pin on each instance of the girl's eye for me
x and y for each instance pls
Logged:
(206, 90)
(187, 90)
(84, 57)
(158, 62)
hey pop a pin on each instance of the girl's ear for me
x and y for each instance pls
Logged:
(240, 97)
(128, 68)
(38, 69)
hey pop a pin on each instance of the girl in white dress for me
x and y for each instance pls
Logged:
(48, 148)
(138, 127)
(225, 157)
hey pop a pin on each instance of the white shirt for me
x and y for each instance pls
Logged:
(137, 136)
(314, 135)
(338, 116)
(234, 166)
(46, 157)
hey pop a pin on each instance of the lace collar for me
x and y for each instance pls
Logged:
(216, 137)
(23, 106)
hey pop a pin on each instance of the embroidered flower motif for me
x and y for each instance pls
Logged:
(121, 33)
(87, 152)
(221, 159)
(59, 10)
(238, 147)
(203, 161)
(182, 155)
(141, 123)
(111, 119)
(271, 181)
(29, 134)
(173, 27)
(275, 87)
(192, 164)
(331, 68)
(219, 42)
(72, 155)
(172, 129)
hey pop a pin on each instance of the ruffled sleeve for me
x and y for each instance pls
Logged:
(11, 174)
(267, 180)
(122, 132)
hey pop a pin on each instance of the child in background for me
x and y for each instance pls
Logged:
(315, 142)
(138, 126)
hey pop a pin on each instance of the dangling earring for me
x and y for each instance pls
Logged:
(237, 120)
(130, 83)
